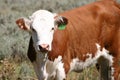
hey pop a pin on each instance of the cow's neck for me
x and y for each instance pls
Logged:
(46, 68)
(41, 57)
(40, 65)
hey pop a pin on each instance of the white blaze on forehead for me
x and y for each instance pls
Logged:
(43, 18)
(42, 14)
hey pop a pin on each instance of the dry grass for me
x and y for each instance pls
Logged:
(10, 70)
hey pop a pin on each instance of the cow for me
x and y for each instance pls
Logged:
(74, 40)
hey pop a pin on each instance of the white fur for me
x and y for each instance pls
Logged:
(78, 65)
(39, 66)
(104, 53)
(48, 70)
(42, 23)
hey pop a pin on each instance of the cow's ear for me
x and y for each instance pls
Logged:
(23, 23)
(61, 22)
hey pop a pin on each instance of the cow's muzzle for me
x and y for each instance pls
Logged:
(44, 48)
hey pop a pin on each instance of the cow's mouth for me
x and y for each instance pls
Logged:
(44, 49)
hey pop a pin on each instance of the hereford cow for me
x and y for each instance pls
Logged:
(74, 40)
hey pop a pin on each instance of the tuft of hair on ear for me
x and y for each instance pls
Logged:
(60, 20)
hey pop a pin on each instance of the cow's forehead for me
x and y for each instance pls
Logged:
(42, 13)
(43, 19)
(43, 22)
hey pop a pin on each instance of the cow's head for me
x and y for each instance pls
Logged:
(41, 25)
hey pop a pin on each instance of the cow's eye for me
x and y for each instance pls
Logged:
(33, 30)
(52, 28)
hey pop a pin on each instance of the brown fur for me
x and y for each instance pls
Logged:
(98, 22)
(95, 23)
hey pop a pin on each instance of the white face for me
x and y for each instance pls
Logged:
(41, 26)
(42, 29)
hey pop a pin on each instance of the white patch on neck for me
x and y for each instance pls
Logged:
(78, 65)
(48, 70)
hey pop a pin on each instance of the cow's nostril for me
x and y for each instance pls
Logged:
(40, 47)
(44, 47)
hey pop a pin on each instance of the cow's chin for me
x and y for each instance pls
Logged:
(44, 50)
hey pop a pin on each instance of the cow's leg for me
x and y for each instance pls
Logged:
(104, 69)
(60, 75)
(60, 72)
(116, 68)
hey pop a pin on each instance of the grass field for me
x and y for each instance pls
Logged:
(14, 64)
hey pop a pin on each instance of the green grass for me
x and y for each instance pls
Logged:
(14, 64)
